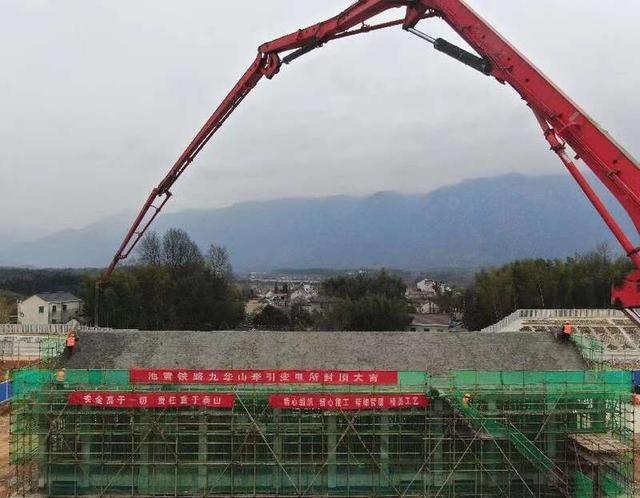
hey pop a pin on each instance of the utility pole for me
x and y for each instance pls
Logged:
(96, 303)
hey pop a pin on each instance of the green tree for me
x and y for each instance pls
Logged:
(179, 251)
(299, 317)
(6, 309)
(581, 281)
(28, 281)
(364, 302)
(358, 286)
(171, 287)
(449, 300)
(150, 250)
(219, 261)
(372, 312)
(271, 318)
(118, 300)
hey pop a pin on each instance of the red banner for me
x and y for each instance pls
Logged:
(124, 399)
(190, 376)
(348, 401)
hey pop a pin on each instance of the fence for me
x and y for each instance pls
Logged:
(17, 328)
(33, 342)
(5, 391)
(47, 329)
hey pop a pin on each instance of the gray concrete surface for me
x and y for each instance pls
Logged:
(435, 352)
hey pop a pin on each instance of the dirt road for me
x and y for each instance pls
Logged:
(6, 470)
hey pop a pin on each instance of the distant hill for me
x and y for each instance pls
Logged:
(476, 222)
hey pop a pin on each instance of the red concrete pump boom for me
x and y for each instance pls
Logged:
(562, 121)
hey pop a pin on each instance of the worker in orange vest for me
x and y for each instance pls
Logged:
(70, 343)
(566, 331)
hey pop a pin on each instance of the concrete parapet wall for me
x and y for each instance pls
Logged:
(512, 322)
(23, 341)
(46, 329)
(13, 328)
(20, 346)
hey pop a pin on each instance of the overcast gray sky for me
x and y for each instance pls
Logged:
(97, 99)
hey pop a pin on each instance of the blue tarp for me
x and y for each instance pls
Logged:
(636, 378)
(5, 391)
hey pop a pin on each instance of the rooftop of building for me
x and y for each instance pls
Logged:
(435, 352)
(57, 297)
(430, 319)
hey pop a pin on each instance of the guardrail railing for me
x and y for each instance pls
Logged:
(552, 313)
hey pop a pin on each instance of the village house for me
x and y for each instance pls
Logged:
(277, 299)
(49, 307)
(421, 322)
(424, 296)
(428, 307)
(431, 287)
(422, 302)
(304, 292)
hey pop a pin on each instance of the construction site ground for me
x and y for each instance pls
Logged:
(6, 470)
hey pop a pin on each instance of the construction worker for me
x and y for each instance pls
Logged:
(61, 375)
(466, 399)
(70, 343)
(566, 330)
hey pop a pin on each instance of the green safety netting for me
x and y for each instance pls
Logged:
(591, 348)
(584, 486)
(600, 381)
(515, 420)
(51, 347)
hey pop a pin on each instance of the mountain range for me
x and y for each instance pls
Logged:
(474, 223)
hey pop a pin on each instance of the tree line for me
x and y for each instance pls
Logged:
(29, 281)
(581, 281)
(172, 285)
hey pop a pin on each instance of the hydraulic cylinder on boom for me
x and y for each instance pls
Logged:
(568, 130)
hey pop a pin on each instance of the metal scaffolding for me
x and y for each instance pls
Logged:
(541, 434)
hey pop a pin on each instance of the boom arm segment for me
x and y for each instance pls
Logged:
(561, 119)
(615, 168)
(161, 194)
(267, 63)
(563, 122)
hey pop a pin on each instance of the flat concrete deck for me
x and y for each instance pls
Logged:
(435, 352)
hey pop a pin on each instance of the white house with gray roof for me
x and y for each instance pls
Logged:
(49, 307)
